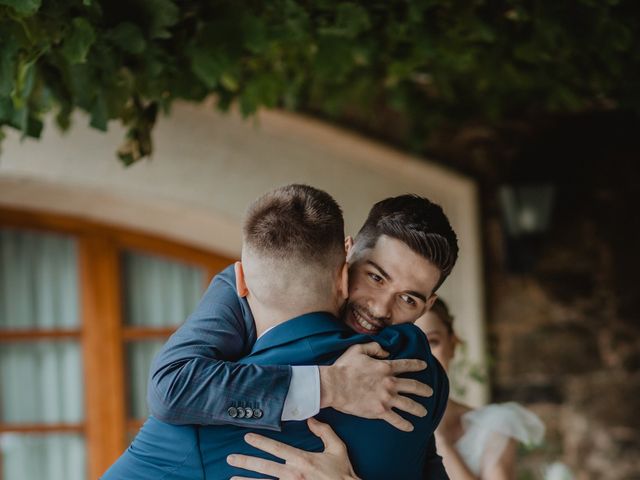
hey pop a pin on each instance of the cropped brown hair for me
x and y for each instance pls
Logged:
(295, 222)
(417, 222)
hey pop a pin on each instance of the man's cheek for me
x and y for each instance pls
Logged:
(354, 291)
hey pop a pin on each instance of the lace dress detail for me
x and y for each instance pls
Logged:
(487, 431)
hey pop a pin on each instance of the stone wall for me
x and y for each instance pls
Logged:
(565, 337)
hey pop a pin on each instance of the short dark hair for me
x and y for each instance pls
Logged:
(295, 222)
(417, 222)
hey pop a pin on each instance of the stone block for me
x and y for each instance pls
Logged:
(529, 393)
(555, 350)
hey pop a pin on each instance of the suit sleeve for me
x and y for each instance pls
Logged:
(195, 378)
(433, 466)
(417, 346)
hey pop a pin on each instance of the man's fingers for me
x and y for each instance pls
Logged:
(331, 441)
(410, 406)
(374, 349)
(255, 464)
(414, 387)
(275, 448)
(407, 365)
(397, 421)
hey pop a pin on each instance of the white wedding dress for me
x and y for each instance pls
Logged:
(488, 430)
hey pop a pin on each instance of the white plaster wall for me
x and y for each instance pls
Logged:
(206, 169)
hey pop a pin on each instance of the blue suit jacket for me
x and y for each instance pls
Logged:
(196, 376)
(376, 449)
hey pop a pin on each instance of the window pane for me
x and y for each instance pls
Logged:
(38, 280)
(159, 292)
(41, 382)
(139, 357)
(31, 457)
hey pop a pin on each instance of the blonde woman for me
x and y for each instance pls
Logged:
(476, 444)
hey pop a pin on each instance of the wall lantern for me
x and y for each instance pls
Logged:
(526, 214)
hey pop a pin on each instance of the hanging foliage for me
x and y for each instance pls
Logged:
(426, 60)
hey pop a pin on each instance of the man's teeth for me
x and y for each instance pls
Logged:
(363, 322)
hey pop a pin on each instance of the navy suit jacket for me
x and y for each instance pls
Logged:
(376, 450)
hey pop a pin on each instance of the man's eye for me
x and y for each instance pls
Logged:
(409, 300)
(434, 343)
(376, 278)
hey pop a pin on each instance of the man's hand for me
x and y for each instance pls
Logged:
(332, 464)
(368, 387)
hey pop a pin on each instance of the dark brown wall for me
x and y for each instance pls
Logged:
(565, 337)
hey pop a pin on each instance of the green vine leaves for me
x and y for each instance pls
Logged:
(430, 62)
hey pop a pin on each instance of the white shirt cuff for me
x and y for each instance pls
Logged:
(303, 397)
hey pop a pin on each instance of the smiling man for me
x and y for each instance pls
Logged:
(401, 255)
(390, 284)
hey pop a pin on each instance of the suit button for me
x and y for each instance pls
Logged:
(240, 412)
(232, 412)
(257, 413)
(248, 412)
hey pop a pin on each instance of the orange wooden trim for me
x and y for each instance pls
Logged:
(42, 428)
(134, 424)
(211, 272)
(38, 221)
(214, 268)
(217, 264)
(16, 335)
(123, 238)
(142, 333)
(147, 244)
(103, 352)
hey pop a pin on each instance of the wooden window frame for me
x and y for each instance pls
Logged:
(102, 333)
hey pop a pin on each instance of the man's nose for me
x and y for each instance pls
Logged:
(380, 307)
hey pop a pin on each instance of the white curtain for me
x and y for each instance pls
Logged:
(139, 357)
(38, 281)
(40, 381)
(37, 457)
(158, 293)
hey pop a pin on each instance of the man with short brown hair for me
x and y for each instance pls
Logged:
(290, 227)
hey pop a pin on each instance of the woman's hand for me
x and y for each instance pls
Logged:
(331, 464)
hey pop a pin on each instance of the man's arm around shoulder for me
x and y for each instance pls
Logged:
(195, 378)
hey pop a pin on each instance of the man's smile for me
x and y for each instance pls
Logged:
(363, 323)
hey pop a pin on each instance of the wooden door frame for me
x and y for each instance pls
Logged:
(102, 333)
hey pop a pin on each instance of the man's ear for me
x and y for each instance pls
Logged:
(343, 281)
(430, 301)
(348, 245)
(241, 285)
